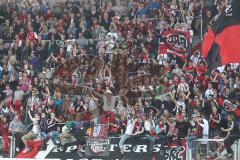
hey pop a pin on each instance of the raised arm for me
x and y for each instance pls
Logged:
(29, 113)
(202, 125)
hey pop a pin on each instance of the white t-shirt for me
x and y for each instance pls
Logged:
(35, 128)
(205, 127)
(147, 125)
(130, 127)
(183, 87)
(178, 104)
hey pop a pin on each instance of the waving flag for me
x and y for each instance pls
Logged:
(175, 42)
(221, 43)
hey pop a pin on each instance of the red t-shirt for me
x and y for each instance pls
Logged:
(188, 68)
(31, 36)
(201, 69)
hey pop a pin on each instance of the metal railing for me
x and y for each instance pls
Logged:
(12, 149)
(211, 149)
(12, 144)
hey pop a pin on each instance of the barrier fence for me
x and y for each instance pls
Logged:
(211, 149)
(12, 149)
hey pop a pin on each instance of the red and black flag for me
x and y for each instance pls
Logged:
(221, 44)
(175, 42)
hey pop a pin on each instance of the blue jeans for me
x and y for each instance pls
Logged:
(123, 139)
(43, 135)
(55, 137)
(190, 140)
(152, 141)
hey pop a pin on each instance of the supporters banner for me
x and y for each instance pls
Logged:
(97, 147)
(176, 42)
(221, 43)
(141, 151)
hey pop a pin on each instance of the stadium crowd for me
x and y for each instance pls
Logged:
(99, 61)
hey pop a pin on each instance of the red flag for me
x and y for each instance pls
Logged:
(207, 43)
(175, 42)
(221, 44)
(229, 41)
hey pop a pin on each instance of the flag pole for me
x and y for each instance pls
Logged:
(201, 27)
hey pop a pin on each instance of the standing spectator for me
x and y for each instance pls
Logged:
(169, 104)
(8, 95)
(214, 124)
(233, 134)
(43, 129)
(207, 109)
(33, 134)
(52, 129)
(18, 98)
(149, 130)
(205, 129)
(32, 102)
(209, 91)
(16, 128)
(194, 134)
(128, 133)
